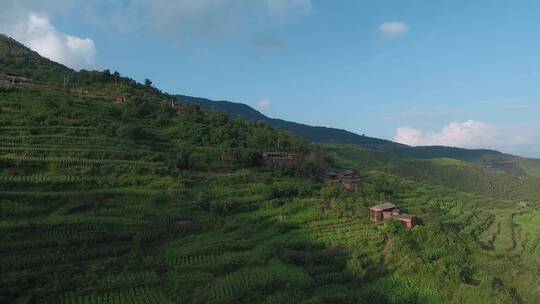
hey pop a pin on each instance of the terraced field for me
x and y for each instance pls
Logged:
(529, 224)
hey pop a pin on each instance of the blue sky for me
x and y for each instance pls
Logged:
(458, 73)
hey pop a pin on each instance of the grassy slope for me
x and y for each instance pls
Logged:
(505, 227)
(452, 173)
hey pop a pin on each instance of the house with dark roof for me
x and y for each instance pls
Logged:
(347, 179)
(13, 80)
(280, 159)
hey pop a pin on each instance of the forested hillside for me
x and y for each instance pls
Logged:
(493, 160)
(134, 202)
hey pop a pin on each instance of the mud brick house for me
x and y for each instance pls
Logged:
(280, 159)
(184, 110)
(388, 211)
(407, 220)
(347, 179)
(227, 156)
(120, 100)
(377, 213)
(12, 80)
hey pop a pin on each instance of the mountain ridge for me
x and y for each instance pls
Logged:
(329, 135)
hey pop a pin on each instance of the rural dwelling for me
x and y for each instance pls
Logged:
(280, 159)
(388, 211)
(120, 100)
(182, 110)
(227, 156)
(347, 178)
(377, 212)
(407, 220)
(331, 176)
(11, 80)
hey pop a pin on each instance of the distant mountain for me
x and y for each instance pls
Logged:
(490, 158)
(311, 133)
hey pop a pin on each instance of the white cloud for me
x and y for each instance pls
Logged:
(474, 134)
(264, 105)
(204, 18)
(179, 20)
(467, 134)
(392, 29)
(37, 32)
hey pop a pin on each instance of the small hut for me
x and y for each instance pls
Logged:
(407, 220)
(120, 100)
(381, 212)
(280, 159)
(388, 211)
(227, 156)
(347, 178)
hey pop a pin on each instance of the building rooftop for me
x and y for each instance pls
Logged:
(383, 206)
(279, 155)
(351, 179)
(405, 216)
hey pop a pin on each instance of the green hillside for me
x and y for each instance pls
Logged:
(493, 160)
(133, 203)
(456, 174)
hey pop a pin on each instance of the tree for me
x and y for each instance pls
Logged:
(147, 82)
(331, 192)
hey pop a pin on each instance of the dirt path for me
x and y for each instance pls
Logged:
(386, 246)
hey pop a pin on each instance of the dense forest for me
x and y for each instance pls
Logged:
(133, 202)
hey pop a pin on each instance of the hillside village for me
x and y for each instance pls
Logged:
(113, 191)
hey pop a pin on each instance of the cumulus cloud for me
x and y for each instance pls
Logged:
(264, 105)
(37, 32)
(474, 134)
(179, 21)
(392, 29)
(467, 134)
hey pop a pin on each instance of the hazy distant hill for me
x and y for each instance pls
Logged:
(490, 158)
(315, 134)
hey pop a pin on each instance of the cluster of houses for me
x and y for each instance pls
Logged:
(377, 213)
(347, 178)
